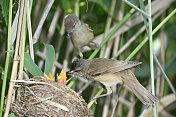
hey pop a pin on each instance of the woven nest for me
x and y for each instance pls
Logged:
(40, 97)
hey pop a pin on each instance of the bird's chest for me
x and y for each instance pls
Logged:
(109, 79)
(81, 36)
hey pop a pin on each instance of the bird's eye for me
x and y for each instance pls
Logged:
(74, 25)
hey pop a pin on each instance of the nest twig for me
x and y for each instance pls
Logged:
(42, 97)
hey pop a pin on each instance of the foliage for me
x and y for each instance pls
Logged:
(4, 7)
(56, 51)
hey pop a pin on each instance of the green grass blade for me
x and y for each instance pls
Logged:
(153, 32)
(91, 102)
(165, 76)
(7, 59)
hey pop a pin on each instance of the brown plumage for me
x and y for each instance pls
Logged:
(111, 72)
(80, 33)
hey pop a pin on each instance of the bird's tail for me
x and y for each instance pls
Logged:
(134, 86)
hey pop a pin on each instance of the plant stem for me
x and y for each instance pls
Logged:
(15, 60)
(165, 76)
(108, 24)
(141, 11)
(7, 58)
(153, 32)
(99, 92)
(77, 8)
(146, 108)
(151, 55)
(30, 29)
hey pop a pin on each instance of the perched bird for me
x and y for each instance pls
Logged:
(111, 72)
(80, 33)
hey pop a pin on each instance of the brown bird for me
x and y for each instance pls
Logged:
(80, 33)
(111, 72)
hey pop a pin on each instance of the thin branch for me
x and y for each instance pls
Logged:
(137, 18)
(134, 37)
(30, 31)
(7, 58)
(165, 76)
(57, 64)
(15, 62)
(151, 54)
(141, 11)
(103, 51)
(53, 24)
(22, 45)
(119, 17)
(153, 32)
(84, 87)
(145, 110)
(42, 20)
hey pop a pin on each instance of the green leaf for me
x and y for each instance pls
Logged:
(31, 66)
(4, 6)
(50, 56)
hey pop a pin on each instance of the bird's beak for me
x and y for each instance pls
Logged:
(68, 34)
(69, 73)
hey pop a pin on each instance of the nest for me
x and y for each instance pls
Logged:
(40, 97)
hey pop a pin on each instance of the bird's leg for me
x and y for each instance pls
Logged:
(79, 52)
(109, 91)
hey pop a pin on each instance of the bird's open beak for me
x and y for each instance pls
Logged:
(69, 73)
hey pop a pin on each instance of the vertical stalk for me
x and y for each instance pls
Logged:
(7, 58)
(77, 8)
(22, 44)
(22, 48)
(15, 61)
(151, 54)
(108, 24)
(30, 29)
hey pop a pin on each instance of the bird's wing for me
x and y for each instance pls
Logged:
(88, 27)
(103, 66)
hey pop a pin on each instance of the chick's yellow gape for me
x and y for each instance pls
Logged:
(111, 72)
(80, 33)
